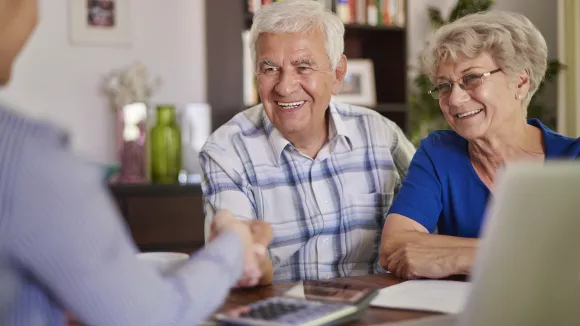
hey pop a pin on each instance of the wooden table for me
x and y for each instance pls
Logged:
(373, 315)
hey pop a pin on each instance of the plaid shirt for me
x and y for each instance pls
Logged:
(326, 213)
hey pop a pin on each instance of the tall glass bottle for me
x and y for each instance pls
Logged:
(165, 140)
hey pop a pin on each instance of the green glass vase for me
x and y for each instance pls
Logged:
(165, 141)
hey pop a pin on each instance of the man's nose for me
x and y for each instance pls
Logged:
(287, 83)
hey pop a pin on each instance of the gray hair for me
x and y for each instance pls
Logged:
(513, 42)
(294, 16)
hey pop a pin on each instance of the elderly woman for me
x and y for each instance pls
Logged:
(485, 67)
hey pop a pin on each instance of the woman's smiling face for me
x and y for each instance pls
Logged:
(491, 105)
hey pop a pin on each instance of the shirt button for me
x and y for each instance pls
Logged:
(325, 241)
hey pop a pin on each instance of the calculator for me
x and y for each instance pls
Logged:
(310, 303)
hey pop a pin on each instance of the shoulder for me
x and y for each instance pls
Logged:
(37, 151)
(21, 131)
(246, 124)
(354, 112)
(369, 124)
(444, 145)
(557, 145)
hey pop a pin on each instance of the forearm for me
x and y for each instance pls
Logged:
(208, 277)
(428, 253)
(73, 242)
(395, 240)
(123, 291)
(455, 260)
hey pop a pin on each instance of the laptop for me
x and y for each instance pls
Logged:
(527, 271)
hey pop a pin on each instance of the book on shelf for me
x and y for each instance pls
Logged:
(254, 5)
(371, 12)
(361, 12)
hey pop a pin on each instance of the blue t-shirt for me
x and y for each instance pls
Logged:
(442, 189)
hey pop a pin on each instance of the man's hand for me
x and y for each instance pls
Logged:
(412, 261)
(262, 234)
(256, 236)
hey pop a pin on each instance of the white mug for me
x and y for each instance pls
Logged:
(163, 262)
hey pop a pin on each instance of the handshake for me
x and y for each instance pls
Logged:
(255, 236)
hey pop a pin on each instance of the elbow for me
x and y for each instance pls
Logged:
(391, 242)
(389, 245)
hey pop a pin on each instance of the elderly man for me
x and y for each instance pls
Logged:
(323, 174)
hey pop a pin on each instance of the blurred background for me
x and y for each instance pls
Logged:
(104, 70)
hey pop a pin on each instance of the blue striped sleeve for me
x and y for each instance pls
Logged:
(67, 234)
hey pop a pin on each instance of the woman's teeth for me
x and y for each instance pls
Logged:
(467, 114)
(290, 105)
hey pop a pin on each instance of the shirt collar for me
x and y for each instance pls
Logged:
(337, 133)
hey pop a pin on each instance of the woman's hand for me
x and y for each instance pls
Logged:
(412, 261)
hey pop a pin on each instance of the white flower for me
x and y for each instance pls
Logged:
(130, 85)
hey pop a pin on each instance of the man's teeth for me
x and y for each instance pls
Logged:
(290, 105)
(466, 114)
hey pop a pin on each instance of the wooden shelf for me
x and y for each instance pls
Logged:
(391, 107)
(148, 189)
(248, 17)
(375, 27)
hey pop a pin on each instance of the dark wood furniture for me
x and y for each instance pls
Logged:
(225, 21)
(162, 217)
(373, 316)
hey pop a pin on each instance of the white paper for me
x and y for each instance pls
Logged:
(297, 291)
(426, 295)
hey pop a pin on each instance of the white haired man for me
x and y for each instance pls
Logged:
(323, 174)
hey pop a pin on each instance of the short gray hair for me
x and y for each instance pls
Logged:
(513, 42)
(294, 16)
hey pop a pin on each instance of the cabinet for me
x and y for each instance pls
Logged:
(162, 217)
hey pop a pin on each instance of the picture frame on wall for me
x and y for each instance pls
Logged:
(358, 87)
(100, 22)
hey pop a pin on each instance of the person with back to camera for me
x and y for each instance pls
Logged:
(63, 246)
(485, 67)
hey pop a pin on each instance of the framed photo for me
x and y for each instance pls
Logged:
(358, 87)
(100, 22)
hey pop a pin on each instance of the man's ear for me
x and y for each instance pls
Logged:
(339, 72)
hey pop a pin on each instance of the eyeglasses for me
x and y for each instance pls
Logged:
(467, 82)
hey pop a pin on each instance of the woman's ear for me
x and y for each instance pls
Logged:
(340, 73)
(522, 84)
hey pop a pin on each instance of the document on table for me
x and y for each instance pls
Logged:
(426, 295)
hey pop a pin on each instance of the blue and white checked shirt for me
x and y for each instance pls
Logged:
(64, 246)
(326, 213)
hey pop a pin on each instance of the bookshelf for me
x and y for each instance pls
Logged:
(385, 45)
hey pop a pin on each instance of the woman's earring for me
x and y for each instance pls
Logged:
(519, 96)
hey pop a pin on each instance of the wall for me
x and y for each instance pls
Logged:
(419, 25)
(59, 82)
(569, 51)
(544, 15)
